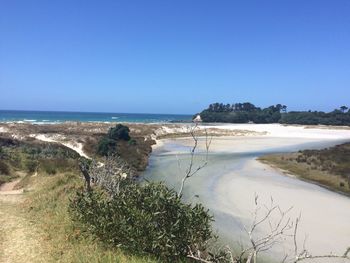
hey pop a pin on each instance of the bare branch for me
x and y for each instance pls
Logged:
(191, 170)
(107, 175)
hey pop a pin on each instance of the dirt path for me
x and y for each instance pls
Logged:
(19, 238)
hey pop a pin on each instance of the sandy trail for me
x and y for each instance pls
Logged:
(7, 189)
(19, 238)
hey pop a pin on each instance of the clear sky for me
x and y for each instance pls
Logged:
(173, 56)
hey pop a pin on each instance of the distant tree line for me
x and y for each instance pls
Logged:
(248, 112)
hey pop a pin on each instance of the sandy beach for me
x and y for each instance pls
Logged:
(233, 176)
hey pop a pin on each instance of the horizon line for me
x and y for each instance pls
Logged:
(99, 112)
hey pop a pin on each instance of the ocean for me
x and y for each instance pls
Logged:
(51, 117)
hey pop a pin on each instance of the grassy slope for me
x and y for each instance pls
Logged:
(62, 241)
(328, 167)
(6, 173)
(44, 209)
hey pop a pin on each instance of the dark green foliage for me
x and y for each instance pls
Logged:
(48, 151)
(58, 165)
(241, 113)
(8, 142)
(246, 112)
(119, 132)
(4, 168)
(132, 142)
(336, 117)
(106, 146)
(49, 168)
(29, 155)
(31, 165)
(144, 219)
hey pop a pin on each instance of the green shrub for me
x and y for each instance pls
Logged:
(144, 219)
(119, 132)
(49, 167)
(31, 165)
(50, 170)
(106, 146)
(132, 142)
(4, 168)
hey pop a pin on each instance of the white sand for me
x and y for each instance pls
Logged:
(295, 131)
(75, 146)
(228, 184)
(324, 215)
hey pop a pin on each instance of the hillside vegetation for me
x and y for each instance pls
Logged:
(248, 112)
(36, 225)
(329, 167)
(141, 218)
(117, 219)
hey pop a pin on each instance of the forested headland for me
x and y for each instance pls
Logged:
(249, 113)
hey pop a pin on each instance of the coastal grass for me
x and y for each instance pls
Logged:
(63, 240)
(6, 173)
(307, 171)
(5, 178)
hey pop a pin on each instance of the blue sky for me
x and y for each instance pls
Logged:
(173, 56)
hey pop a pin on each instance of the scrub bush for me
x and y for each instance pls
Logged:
(146, 218)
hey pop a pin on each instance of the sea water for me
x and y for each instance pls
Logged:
(43, 117)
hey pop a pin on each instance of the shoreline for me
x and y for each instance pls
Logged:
(228, 184)
(327, 167)
(75, 135)
(290, 174)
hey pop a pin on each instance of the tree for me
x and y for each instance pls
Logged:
(284, 108)
(119, 132)
(106, 146)
(343, 108)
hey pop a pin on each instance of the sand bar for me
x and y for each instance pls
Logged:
(228, 184)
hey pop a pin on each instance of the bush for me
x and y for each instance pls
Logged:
(4, 168)
(119, 132)
(31, 165)
(144, 219)
(132, 142)
(49, 167)
(106, 146)
(50, 170)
